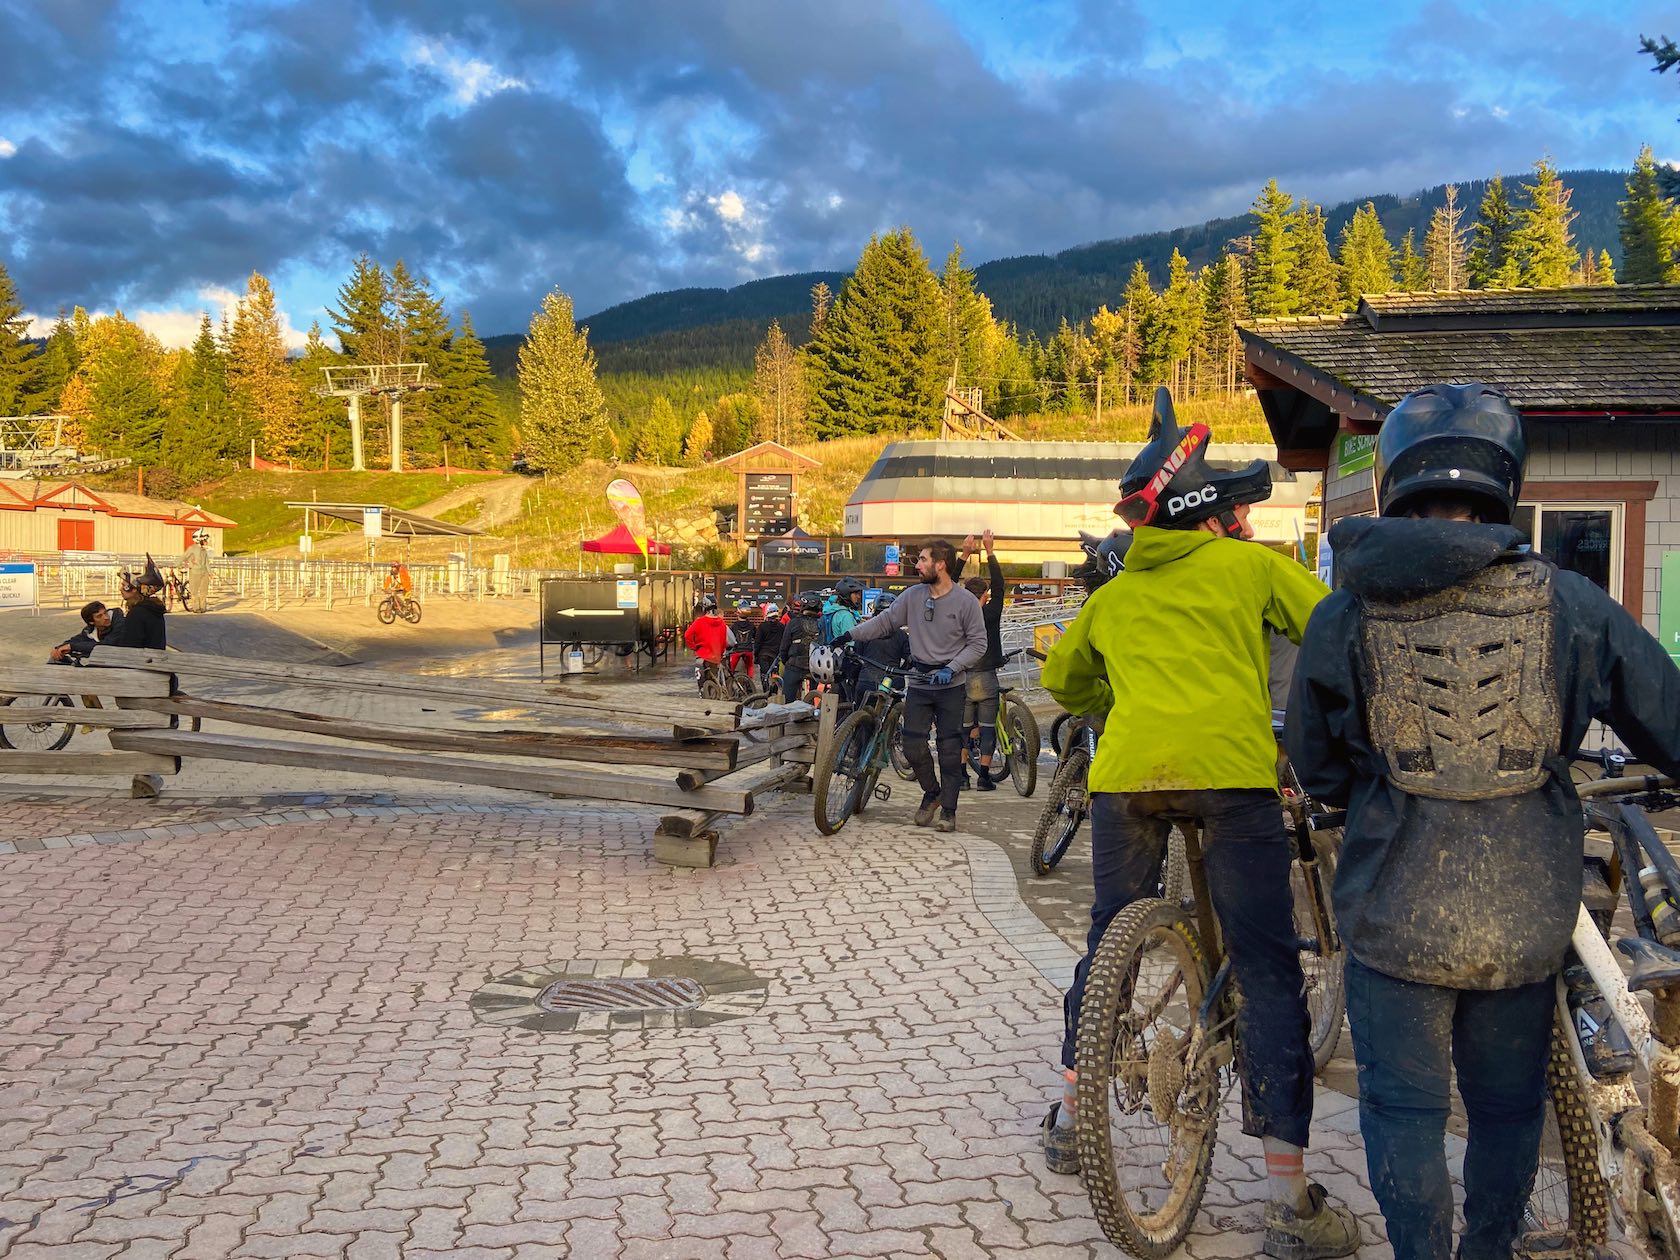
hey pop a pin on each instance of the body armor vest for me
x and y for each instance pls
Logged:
(1461, 686)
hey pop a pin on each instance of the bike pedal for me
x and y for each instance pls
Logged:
(883, 792)
(1545, 1245)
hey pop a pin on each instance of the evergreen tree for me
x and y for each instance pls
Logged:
(1489, 264)
(469, 414)
(1648, 227)
(1542, 244)
(58, 364)
(875, 366)
(660, 439)
(1139, 309)
(19, 362)
(1272, 262)
(323, 421)
(196, 439)
(561, 409)
(1367, 257)
(1443, 245)
(698, 445)
(1414, 272)
(1226, 303)
(425, 338)
(968, 319)
(118, 390)
(1316, 280)
(779, 387)
(1606, 268)
(1181, 307)
(822, 298)
(1108, 330)
(260, 385)
(365, 321)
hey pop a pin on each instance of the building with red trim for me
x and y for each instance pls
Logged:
(40, 516)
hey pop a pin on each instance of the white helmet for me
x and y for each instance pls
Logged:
(201, 536)
(822, 663)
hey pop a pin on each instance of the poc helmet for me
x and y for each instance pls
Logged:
(1104, 557)
(1463, 440)
(1171, 485)
(810, 603)
(846, 587)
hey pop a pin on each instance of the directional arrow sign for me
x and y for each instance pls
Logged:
(589, 612)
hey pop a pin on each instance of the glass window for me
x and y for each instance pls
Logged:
(1581, 537)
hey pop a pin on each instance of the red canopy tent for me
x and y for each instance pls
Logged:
(620, 542)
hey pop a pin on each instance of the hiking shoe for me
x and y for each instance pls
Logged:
(946, 822)
(985, 782)
(927, 813)
(1061, 1147)
(963, 784)
(1323, 1232)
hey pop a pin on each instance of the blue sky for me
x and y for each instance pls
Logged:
(153, 154)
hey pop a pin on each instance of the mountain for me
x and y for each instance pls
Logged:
(689, 328)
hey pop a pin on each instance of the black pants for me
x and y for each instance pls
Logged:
(1246, 854)
(925, 708)
(1408, 1038)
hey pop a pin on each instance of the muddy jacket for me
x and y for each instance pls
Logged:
(1468, 894)
(1175, 649)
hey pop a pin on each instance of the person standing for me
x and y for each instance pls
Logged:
(798, 637)
(981, 708)
(947, 637)
(1438, 695)
(767, 640)
(143, 618)
(707, 636)
(196, 561)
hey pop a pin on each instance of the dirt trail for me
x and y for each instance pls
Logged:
(500, 500)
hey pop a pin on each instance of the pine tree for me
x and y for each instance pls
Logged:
(561, 409)
(659, 440)
(1542, 245)
(1367, 256)
(1443, 245)
(1181, 304)
(698, 445)
(968, 319)
(822, 298)
(196, 439)
(469, 413)
(260, 385)
(1272, 262)
(1489, 264)
(1139, 308)
(323, 421)
(1226, 304)
(1606, 268)
(779, 387)
(1316, 280)
(425, 338)
(20, 364)
(1648, 222)
(118, 391)
(875, 366)
(58, 364)
(1413, 271)
(365, 321)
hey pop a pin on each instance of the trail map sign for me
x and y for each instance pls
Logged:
(769, 504)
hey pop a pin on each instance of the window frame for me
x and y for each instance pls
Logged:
(1617, 509)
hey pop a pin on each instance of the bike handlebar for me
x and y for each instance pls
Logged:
(1630, 785)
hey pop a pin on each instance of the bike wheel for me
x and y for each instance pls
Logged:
(895, 746)
(1064, 813)
(841, 778)
(39, 736)
(411, 612)
(387, 612)
(1024, 743)
(1147, 1117)
(755, 700)
(592, 653)
(1323, 966)
(1175, 870)
(1570, 1196)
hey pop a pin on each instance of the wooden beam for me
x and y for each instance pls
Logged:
(75, 763)
(76, 715)
(86, 680)
(583, 781)
(714, 754)
(687, 822)
(752, 755)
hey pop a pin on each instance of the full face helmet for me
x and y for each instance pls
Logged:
(1463, 440)
(1172, 486)
(1104, 557)
(884, 601)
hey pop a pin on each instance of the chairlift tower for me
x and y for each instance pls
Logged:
(392, 380)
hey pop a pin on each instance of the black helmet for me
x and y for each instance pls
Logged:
(1104, 557)
(810, 603)
(1455, 439)
(708, 604)
(884, 601)
(1170, 484)
(846, 587)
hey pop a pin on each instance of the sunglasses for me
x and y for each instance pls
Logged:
(927, 611)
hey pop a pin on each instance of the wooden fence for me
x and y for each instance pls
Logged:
(700, 761)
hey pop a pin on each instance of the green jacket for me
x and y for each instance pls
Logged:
(1173, 652)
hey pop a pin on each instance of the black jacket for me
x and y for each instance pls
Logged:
(1465, 894)
(142, 627)
(797, 639)
(767, 643)
(84, 641)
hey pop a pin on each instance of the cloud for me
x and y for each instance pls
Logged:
(468, 77)
(177, 326)
(7, 148)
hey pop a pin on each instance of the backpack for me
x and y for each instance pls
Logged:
(825, 627)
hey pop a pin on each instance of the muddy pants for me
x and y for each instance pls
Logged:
(924, 709)
(1408, 1038)
(1246, 854)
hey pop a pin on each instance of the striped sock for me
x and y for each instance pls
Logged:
(1064, 1115)
(1287, 1174)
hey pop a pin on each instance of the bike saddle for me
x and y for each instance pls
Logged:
(1654, 966)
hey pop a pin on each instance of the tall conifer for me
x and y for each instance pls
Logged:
(1272, 262)
(1367, 256)
(1316, 278)
(1648, 227)
(561, 409)
(1489, 264)
(1543, 244)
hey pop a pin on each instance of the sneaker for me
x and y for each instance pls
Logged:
(1323, 1232)
(963, 784)
(946, 822)
(1061, 1147)
(927, 813)
(985, 782)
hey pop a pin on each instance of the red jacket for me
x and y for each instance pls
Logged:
(706, 637)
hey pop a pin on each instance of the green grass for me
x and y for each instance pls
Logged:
(257, 500)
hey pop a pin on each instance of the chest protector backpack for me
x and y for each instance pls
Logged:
(1461, 687)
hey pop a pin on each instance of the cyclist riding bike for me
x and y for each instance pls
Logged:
(841, 613)
(398, 582)
(1172, 651)
(1439, 695)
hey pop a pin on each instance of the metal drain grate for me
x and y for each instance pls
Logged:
(666, 993)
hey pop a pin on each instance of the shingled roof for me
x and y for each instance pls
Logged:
(1600, 348)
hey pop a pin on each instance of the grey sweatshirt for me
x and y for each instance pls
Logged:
(955, 637)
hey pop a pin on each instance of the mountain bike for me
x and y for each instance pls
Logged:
(1157, 1048)
(848, 778)
(1015, 753)
(30, 723)
(1608, 1148)
(396, 604)
(724, 682)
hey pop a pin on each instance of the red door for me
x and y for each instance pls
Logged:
(75, 535)
(187, 536)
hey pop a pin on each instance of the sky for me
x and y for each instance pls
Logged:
(154, 153)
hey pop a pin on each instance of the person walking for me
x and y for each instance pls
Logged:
(1438, 696)
(980, 709)
(947, 637)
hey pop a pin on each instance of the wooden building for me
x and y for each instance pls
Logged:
(1594, 371)
(43, 516)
